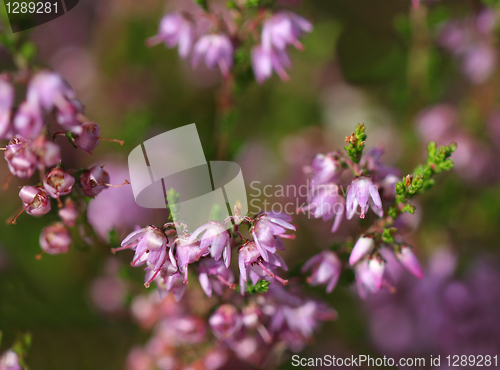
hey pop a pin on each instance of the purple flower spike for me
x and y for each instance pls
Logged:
(284, 28)
(22, 162)
(408, 259)
(175, 30)
(326, 268)
(327, 203)
(362, 248)
(364, 193)
(35, 199)
(58, 182)
(213, 275)
(217, 238)
(28, 120)
(217, 51)
(94, 180)
(225, 321)
(264, 61)
(266, 230)
(86, 137)
(6, 102)
(55, 239)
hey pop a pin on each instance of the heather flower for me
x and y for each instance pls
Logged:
(213, 275)
(86, 136)
(326, 268)
(69, 213)
(266, 230)
(9, 360)
(364, 193)
(217, 238)
(175, 30)
(371, 160)
(326, 168)
(376, 265)
(225, 321)
(186, 252)
(48, 89)
(94, 180)
(28, 120)
(150, 246)
(55, 239)
(48, 152)
(58, 182)
(362, 248)
(217, 50)
(408, 259)
(327, 203)
(365, 281)
(284, 28)
(479, 63)
(35, 199)
(175, 284)
(6, 102)
(67, 114)
(22, 162)
(264, 61)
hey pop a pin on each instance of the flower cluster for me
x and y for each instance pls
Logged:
(217, 39)
(31, 147)
(370, 183)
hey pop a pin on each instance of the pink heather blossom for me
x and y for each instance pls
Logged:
(362, 248)
(48, 152)
(217, 238)
(364, 193)
(22, 162)
(365, 281)
(86, 136)
(327, 203)
(373, 163)
(48, 89)
(58, 182)
(6, 102)
(175, 30)
(408, 259)
(225, 321)
(284, 28)
(213, 275)
(267, 230)
(69, 213)
(326, 268)
(35, 199)
(479, 63)
(94, 180)
(325, 167)
(55, 239)
(264, 61)
(186, 252)
(150, 246)
(28, 120)
(217, 50)
(9, 360)
(376, 265)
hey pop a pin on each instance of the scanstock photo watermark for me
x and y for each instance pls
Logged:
(458, 361)
(292, 199)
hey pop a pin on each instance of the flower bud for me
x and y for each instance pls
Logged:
(225, 321)
(55, 239)
(362, 247)
(408, 259)
(377, 267)
(69, 213)
(86, 136)
(35, 199)
(58, 182)
(94, 180)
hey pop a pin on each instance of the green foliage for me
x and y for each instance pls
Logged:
(356, 143)
(388, 235)
(260, 287)
(203, 4)
(173, 204)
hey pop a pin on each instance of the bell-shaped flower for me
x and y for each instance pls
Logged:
(264, 61)
(364, 193)
(58, 182)
(284, 28)
(408, 259)
(69, 213)
(326, 268)
(213, 275)
(326, 203)
(55, 239)
(225, 321)
(217, 51)
(28, 120)
(326, 168)
(35, 199)
(266, 230)
(186, 252)
(94, 180)
(362, 248)
(22, 162)
(175, 30)
(86, 136)
(214, 235)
